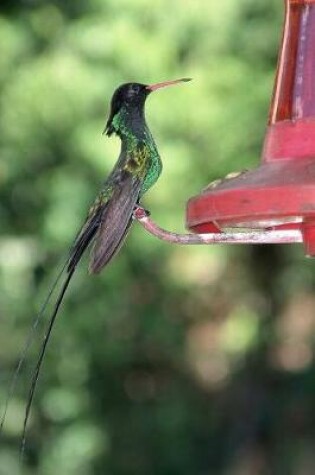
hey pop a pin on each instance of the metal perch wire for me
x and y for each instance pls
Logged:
(253, 237)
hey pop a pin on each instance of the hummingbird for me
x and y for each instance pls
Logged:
(109, 219)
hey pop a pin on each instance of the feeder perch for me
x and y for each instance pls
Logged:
(274, 203)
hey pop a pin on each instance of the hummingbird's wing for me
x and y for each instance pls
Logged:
(111, 215)
(86, 234)
(116, 219)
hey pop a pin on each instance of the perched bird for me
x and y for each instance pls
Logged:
(138, 167)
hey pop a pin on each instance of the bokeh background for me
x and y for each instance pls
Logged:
(174, 361)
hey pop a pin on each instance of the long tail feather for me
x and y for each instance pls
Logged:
(81, 243)
(28, 342)
(35, 376)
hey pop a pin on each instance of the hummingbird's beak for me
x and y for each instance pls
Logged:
(158, 85)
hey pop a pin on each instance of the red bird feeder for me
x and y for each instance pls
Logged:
(280, 193)
(276, 201)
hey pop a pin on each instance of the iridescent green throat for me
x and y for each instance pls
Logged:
(137, 142)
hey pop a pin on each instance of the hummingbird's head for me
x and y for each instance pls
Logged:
(127, 97)
(130, 98)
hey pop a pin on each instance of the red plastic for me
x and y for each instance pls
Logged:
(280, 193)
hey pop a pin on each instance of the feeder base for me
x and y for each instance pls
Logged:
(279, 194)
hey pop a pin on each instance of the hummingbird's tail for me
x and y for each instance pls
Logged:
(81, 243)
(27, 345)
(35, 375)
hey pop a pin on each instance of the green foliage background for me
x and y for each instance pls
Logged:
(188, 361)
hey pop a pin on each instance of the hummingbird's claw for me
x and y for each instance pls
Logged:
(140, 212)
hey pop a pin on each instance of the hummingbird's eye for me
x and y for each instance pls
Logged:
(135, 89)
(132, 91)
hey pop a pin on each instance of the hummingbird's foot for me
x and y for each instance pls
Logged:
(140, 212)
